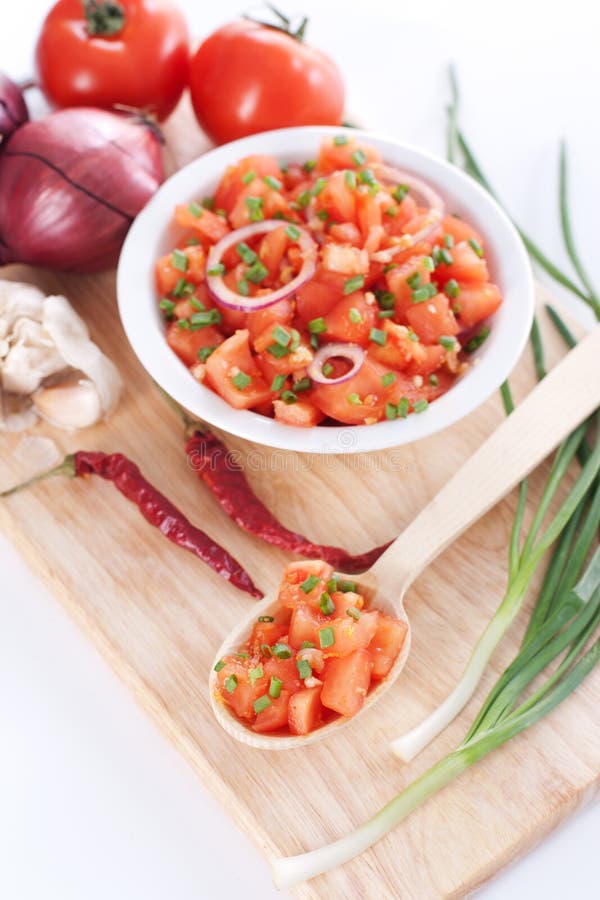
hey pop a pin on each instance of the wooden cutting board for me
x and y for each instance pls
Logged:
(157, 615)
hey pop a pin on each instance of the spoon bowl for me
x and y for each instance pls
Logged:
(517, 446)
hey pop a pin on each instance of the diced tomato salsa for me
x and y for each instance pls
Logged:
(316, 658)
(371, 264)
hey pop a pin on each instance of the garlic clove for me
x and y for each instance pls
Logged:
(69, 405)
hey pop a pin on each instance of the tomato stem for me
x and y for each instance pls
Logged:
(104, 18)
(284, 24)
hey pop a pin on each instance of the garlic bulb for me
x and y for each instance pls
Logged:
(42, 339)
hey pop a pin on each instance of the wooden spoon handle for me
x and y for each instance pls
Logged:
(556, 406)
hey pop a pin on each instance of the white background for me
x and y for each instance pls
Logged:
(93, 802)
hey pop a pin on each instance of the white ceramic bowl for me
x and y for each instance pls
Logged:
(152, 235)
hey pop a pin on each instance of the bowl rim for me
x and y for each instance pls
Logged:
(171, 374)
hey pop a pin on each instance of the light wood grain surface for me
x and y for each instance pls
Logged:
(157, 615)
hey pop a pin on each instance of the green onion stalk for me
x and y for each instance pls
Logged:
(523, 561)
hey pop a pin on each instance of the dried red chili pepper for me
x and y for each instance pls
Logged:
(219, 470)
(155, 508)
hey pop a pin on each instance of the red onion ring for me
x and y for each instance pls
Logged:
(224, 295)
(352, 352)
(429, 195)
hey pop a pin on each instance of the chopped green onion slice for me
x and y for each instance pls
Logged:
(354, 399)
(354, 284)
(434, 380)
(318, 186)
(204, 352)
(391, 411)
(243, 288)
(412, 336)
(275, 686)
(281, 651)
(195, 210)
(449, 241)
(347, 587)
(476, 246)
(317, 326)
(219, 269)
(378, 336)
(326, 638)
(262, 703)
(255, 674)
(230, 684)
(247, 255)
(266, 650)
(327, 369)
(332, 585)
(388, 378)
(289, 397)
(205, 317)
(354, 316)
(197, 304)
(446, 257)
(303, 199)
(391, 211)
(353, 612)
(389, 267)
(249, 177)
(309, 166)
(423, 293)
(340, 140)
(310, 584)
(183, 323)
(240, 380)
(323, 215)
(292, 232)
(385, 314)
(350, 179)
(304, 384)
(182, 288)
(179, 260)
(272, 182)
(403, 406)
(307, 645)
(167, 306)
(278, 382)
(428, 263)
(447, 341)
(385, 299)
(281, 336)
(414, 280)
(220, 665)
(326, 604)
(278, 351)
(266, 619)
(400, 192)
(452, 288)
(208, 203)
(304, 668)
(257, 272)
(420, 406)
(254, 206)
(358, 157)
(367, 176)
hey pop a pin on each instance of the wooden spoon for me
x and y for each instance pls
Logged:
(556, 406)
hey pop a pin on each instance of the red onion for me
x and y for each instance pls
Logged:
(222, 294)
(71, 185)
(352, 352)
(430, 197)
(13, 111)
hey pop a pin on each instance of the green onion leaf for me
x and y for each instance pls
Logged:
(310, 584)
(179, 260)
(241, 381)
(326, 604)
(275, 686)
(281, 651)
(230, 684)
(326, 638)
(354, 284)
(261, 704)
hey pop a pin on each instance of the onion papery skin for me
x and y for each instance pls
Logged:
(71, 185)
(13, 109)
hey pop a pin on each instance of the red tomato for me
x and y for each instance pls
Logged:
(305, 711)
(476, 302)
(247, 78)
(386, 644)
(88, 57)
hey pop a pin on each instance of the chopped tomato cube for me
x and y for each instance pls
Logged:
(351, 319)
(386, 644)
(228, 368)
(348, 634)
(466, 265)
(304, 582)
(475, 303)
(237, 690)
(186, 343)
(302, 414)
(432, 319)
(346, 683)
(304, 711)
(274, 716)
